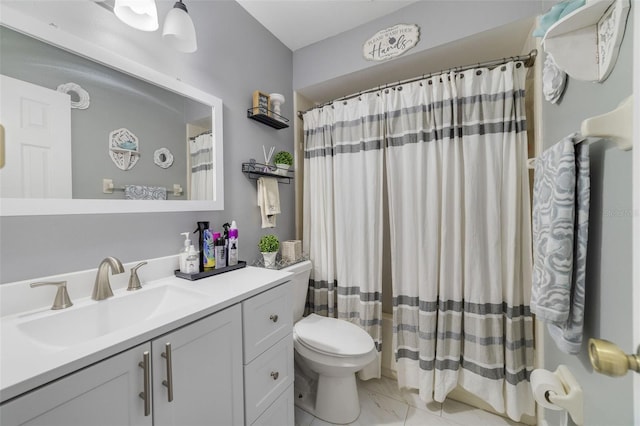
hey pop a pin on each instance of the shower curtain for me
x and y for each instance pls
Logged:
(201, 160)
(460, 236)
(342, 210)
(455, 152)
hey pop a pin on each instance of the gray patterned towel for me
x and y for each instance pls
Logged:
(560, 231)
(141, 192)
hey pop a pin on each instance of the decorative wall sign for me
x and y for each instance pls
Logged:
(79, 97)
(123, 148)
(163, 158)
(391, 42)
(260, 103)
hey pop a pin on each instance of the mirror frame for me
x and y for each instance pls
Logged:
(39, 30)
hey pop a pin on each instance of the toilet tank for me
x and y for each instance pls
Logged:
(300, 281)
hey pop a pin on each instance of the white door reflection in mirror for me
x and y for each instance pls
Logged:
(37, 125)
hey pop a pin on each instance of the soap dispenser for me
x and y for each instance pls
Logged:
(184, 251)
(192, 264)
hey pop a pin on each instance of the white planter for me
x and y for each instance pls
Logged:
(269, 259)
(282, 169)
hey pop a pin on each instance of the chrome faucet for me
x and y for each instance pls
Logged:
(102, 288)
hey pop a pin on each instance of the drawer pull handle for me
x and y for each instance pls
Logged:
(274, 318)
(275, 375)
(146, 394)
(169, 382)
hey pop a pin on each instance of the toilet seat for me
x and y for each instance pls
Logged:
(333, 337)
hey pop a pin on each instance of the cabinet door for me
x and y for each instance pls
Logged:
(106, 393)
(202, 372)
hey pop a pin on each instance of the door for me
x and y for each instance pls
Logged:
(37, 124)
(104, 394)
(198, 373)
(636, 209)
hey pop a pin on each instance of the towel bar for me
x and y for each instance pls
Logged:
(108, 187)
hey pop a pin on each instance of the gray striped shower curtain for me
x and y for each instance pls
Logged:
(454, 149)
(342, 213)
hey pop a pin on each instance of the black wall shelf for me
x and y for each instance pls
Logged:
(270, 119)
(256, 170)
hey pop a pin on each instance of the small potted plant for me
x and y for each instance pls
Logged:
(269, 245)
(283, 160)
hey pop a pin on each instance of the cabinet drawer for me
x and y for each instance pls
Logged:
(280, 413)
(266, 377)
(266, 318)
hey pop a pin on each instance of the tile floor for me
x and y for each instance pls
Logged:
(382, 403)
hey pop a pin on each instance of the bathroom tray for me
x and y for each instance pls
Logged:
(198, 275)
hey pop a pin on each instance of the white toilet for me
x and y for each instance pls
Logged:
(328, 353)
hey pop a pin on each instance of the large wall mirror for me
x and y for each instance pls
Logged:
(89, 131)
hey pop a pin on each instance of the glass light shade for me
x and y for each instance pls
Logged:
(139, 14)
(179, 31)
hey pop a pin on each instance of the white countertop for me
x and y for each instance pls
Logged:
(26, 363)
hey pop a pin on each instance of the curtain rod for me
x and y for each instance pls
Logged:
(529, 59)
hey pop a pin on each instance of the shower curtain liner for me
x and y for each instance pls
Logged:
(455, 148)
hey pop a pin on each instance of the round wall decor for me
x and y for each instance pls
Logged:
(163, 158)
(79, 97)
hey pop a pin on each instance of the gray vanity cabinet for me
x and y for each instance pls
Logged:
(267, 321)
(103, 394)
(203, 369)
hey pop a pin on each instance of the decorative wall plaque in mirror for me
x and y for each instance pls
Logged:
(57, 164)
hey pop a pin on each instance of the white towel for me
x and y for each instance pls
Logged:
(560, 233)
(269, 201)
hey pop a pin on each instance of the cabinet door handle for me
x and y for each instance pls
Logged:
(169, 382)
(146, 394)
(274, 318)
(275, 375)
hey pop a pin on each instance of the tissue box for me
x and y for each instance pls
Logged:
(291, 250)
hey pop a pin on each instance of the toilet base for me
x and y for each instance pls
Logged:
(332, 399)
(337, 399)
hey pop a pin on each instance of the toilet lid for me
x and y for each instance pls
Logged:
(333, 336)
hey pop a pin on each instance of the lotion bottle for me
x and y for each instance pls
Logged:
(192, 264)
(184, 252)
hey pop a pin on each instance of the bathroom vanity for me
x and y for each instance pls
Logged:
(213, 351)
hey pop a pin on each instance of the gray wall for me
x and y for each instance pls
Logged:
(235, 56)
(440, 22)
(608, 306)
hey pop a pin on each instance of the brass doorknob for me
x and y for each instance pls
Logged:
(607, 358)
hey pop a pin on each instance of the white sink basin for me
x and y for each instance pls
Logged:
(79, 324)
